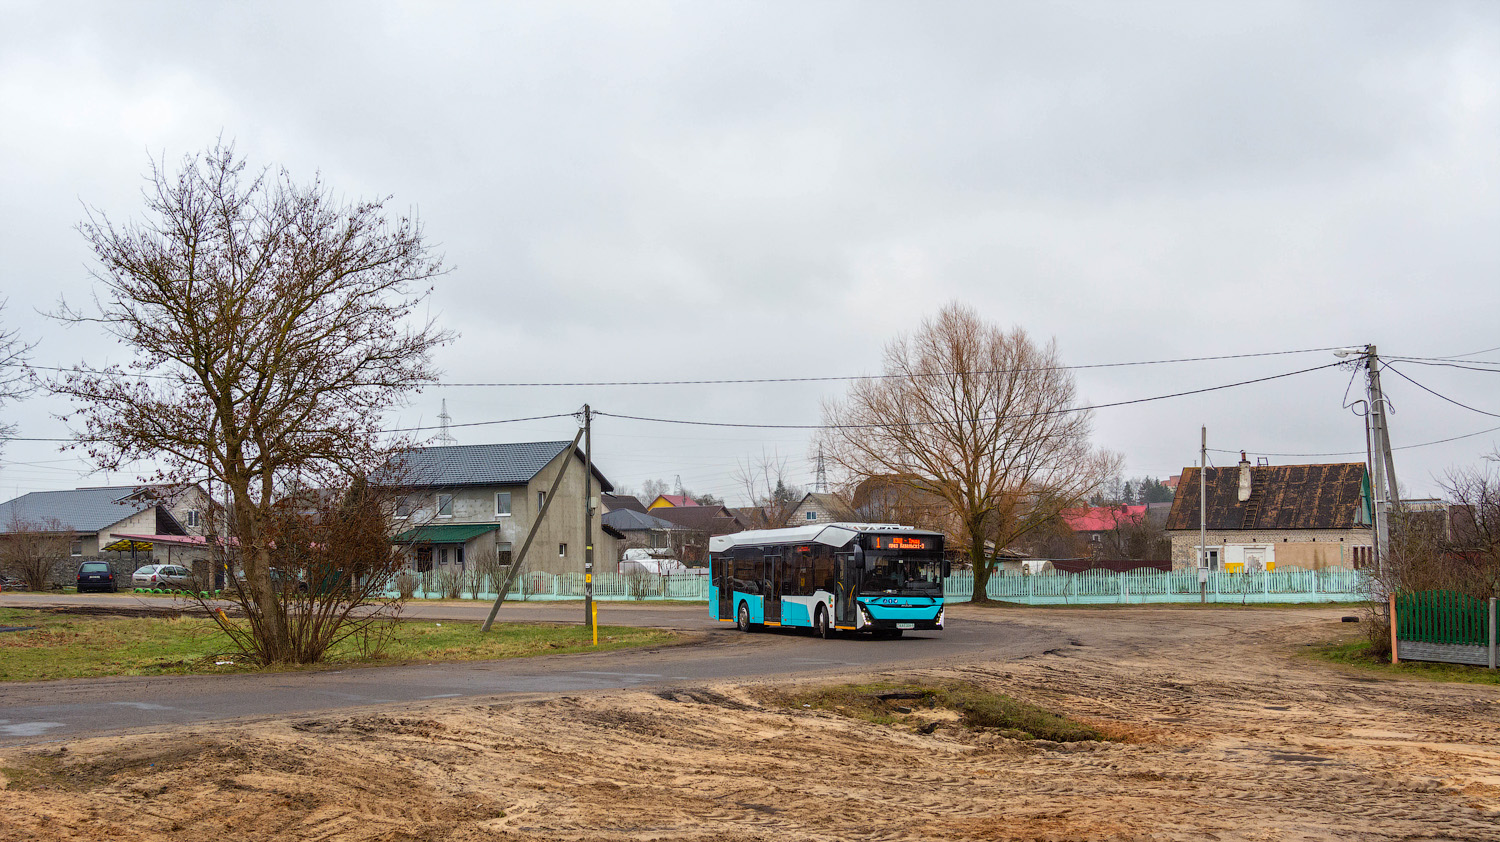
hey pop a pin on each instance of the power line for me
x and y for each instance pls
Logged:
(1398, 373)
(972, 420)
(1361, 452)
(751, 380)
(1474, 365)
(396, 430)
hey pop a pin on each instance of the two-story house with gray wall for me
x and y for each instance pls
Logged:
(469, 504)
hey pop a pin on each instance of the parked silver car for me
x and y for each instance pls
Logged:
(164, 576)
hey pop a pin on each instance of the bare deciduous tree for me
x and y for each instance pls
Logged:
(652, 489)
(771, 498)
(978, 417)
(272, 324)
(32, 550)
(15, 379)
(1139, 539)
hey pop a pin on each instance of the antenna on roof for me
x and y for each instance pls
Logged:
(444, 437)
(822, 481)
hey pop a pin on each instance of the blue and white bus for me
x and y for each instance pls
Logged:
(863, 577)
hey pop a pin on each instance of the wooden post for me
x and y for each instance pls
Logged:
(1492, 632)
(1395, 659)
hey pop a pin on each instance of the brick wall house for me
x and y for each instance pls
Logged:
(1275, 517)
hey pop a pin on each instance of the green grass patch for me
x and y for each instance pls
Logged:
(1357, 654)
(72, 646)
(924, 707)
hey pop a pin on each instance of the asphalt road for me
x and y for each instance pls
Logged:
(54, 710)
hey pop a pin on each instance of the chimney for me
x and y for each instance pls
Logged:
(1244, 477)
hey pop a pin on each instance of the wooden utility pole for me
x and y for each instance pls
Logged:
(588, 523)
(1203, 518)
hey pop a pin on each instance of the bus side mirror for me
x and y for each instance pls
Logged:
(947, 568)
(861, 561)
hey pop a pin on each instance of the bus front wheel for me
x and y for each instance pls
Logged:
(742, 622)
(821, 627)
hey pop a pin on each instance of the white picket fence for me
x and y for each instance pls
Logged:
(1051, 588)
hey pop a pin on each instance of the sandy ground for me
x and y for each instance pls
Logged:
(1229, 735)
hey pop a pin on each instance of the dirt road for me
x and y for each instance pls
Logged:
(1227, 734)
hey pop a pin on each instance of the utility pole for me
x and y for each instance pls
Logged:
(589, 618)
(1382, 464)
(1203, 518)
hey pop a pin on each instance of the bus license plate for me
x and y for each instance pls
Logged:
(906, 625)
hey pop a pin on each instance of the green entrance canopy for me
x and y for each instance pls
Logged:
(445, 534)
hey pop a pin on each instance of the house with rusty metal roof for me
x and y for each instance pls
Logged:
(1265, 517)
(464, 506)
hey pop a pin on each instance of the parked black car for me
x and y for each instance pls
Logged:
(96, 576)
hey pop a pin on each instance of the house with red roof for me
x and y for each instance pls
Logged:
(1092, 523)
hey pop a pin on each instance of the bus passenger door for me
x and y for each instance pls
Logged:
(844, 610)
(773, 588)
(723, 575)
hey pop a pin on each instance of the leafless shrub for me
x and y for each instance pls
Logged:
(639, 584)
(33, 551)
(450, 582)
(406, 583)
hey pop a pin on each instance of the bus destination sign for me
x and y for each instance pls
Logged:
(902, 542)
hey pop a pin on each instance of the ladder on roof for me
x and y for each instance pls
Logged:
(1252, 508)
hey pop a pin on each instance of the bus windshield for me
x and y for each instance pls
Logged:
(896, 573)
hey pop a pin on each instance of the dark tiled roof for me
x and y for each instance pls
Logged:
(512, 463)
(616, 502)
(1281, 497)
(715, 520)
(81, 510)
(629, 520)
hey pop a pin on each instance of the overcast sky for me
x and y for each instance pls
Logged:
(660, 191)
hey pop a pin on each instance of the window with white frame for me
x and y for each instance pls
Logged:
(445, 505)
(77, 548)
(541, 497)
(812, 515)
(192, 518)
(502, 504)
(562, 550)
(403, 508)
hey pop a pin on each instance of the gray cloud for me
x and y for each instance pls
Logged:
(662, 191)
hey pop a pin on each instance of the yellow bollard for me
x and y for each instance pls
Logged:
(594, 621)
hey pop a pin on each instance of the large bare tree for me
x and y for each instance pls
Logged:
(273, 323)
(980, 418)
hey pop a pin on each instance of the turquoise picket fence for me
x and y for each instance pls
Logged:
(1146, 586)
(1052, 588)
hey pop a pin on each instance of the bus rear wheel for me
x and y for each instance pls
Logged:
(742, 621)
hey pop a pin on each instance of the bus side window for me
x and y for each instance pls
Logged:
(823, 571)
(750, 570)
(801, 575)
